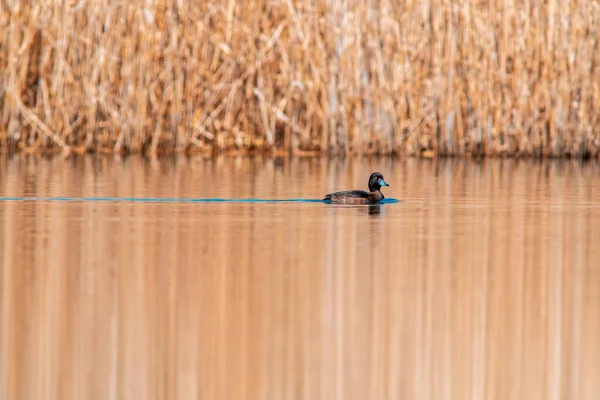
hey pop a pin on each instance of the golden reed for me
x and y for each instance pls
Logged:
(440, 77)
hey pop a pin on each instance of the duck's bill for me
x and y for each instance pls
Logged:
(383, 183)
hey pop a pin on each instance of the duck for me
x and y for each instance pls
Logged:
(373, 196)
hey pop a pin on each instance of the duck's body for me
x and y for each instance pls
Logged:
(355, 197)
(360, 196)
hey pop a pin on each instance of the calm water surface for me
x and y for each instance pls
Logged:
(483, 283)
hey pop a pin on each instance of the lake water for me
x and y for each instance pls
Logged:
(482, 283)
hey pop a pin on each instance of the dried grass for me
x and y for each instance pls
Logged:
(437, 77)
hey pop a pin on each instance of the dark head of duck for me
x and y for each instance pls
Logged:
(376, 181)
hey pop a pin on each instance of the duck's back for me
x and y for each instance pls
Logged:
(348, 196)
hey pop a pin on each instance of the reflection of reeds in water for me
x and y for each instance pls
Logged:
(483, 285)
(500, 77)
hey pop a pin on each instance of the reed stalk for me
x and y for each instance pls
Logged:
(425, 78)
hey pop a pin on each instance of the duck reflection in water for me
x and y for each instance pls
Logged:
(375, 209)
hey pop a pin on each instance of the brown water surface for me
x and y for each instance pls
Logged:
(483, 283)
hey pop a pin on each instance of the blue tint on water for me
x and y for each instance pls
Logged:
(173, 200)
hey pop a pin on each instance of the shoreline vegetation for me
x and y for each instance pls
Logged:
(299, 77)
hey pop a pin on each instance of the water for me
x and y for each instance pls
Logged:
(483, 282)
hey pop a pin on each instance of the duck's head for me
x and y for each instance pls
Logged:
(376, 181)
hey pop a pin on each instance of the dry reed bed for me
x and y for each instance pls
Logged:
(438, 77)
